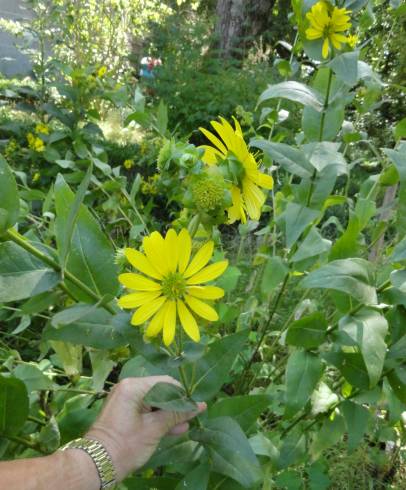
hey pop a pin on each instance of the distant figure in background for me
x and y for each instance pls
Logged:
(148, 72)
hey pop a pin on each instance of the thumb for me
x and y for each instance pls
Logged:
(165, 421)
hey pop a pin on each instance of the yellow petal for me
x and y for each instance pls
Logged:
(238, 129)
(169, 323)
(236, 212)
(136, 281)
(210, 155)
(201, 258)
(140, 262)
(312, 33)
(157, 322)
(185, 248)
(253, 198)
(325, 48)
(136, 300)
(209, 273)
(213, 139)
(202, 309)
(146, 311)
(171, 250)
(263, 180)
(224, 133)
(188, 321)
(154, 248)
(206, 292)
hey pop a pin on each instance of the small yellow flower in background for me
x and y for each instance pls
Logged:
(247, 196)
(327, 23)
(35, 143)
(101, 71)
(36, 177)
(352, 40)
(128, 164)
(42, 128)
(170, 284)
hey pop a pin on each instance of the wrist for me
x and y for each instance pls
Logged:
(78, 470)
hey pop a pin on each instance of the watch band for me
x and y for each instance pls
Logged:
(100, 457)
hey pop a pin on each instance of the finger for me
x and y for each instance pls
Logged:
(179, 429)
(167, 420)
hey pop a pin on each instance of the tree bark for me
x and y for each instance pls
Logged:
(230, 27)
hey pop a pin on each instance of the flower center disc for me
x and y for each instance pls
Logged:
(174, 286)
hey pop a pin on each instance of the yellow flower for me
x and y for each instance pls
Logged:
(101, 71)
(35, 143)
(170, 284)
(247, 196)
(36, 177)
(326, 23)
(352, 40)
(42, 128)
(128, 164)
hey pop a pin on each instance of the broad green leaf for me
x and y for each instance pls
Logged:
(399, 252)
(296, 219)
(9, 200)
(173, 451)
(303, 372)
(156, 483)
(162, 118)
(229, 450)
(213, 369)
(312, 246)
(22, 275)
(14, 405)
(274, 273)
(291, 159)
(243, 409)
(294, 91)
(49, 437)
(197, 479)
(65, 241)
(33, 377)
(98, 329)
(398, 157)
(351, 276)
(326, 154)
(329, 434)
(333, 119)
(91, 256)
(400, 129)
(102, 366)
(290, 480)
(397, 380)
(356, 418)
(345, 66)
(367, 330)
(308, 332)
(293, 450)
(138, 366)
(167, 396)
(229, 280)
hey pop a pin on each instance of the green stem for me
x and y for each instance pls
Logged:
(14, 236)
(25, 442)
(325, 107)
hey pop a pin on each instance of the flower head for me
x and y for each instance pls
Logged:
(327, 23)
(170, 284)
(352, 40)
(246, 194)
(101, 71)
(42, 128)
(35, 143)
(128, 164)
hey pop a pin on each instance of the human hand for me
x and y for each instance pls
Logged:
(129, 430)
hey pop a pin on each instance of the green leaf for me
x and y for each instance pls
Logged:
(293, 450)
(274, 273)
(22, 275)
(229, 449)
(356, 418)
(296, 219)
(213, 369)
(326, 154)
(49, 436)
(345, 66)
(244, 409)
(167, 396)
(33, 377)
(303, 372)
(9, 200)
(366, 330)
(351, 276)
(162, 118)
(229, 280)
(65, 241)
(312, 246)
(14, 405)
(95, 328)
(333, 120)
(329, 434)
(91, 256)
(308, 332)
(138, 366)
(294, 91)
(155, 483)
(197, 479)
(400, 129)
(291, 159)
(398, 157)
(397, 380)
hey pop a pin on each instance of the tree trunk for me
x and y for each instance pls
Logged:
(230, 27)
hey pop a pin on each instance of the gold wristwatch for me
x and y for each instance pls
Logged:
(100, 457)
